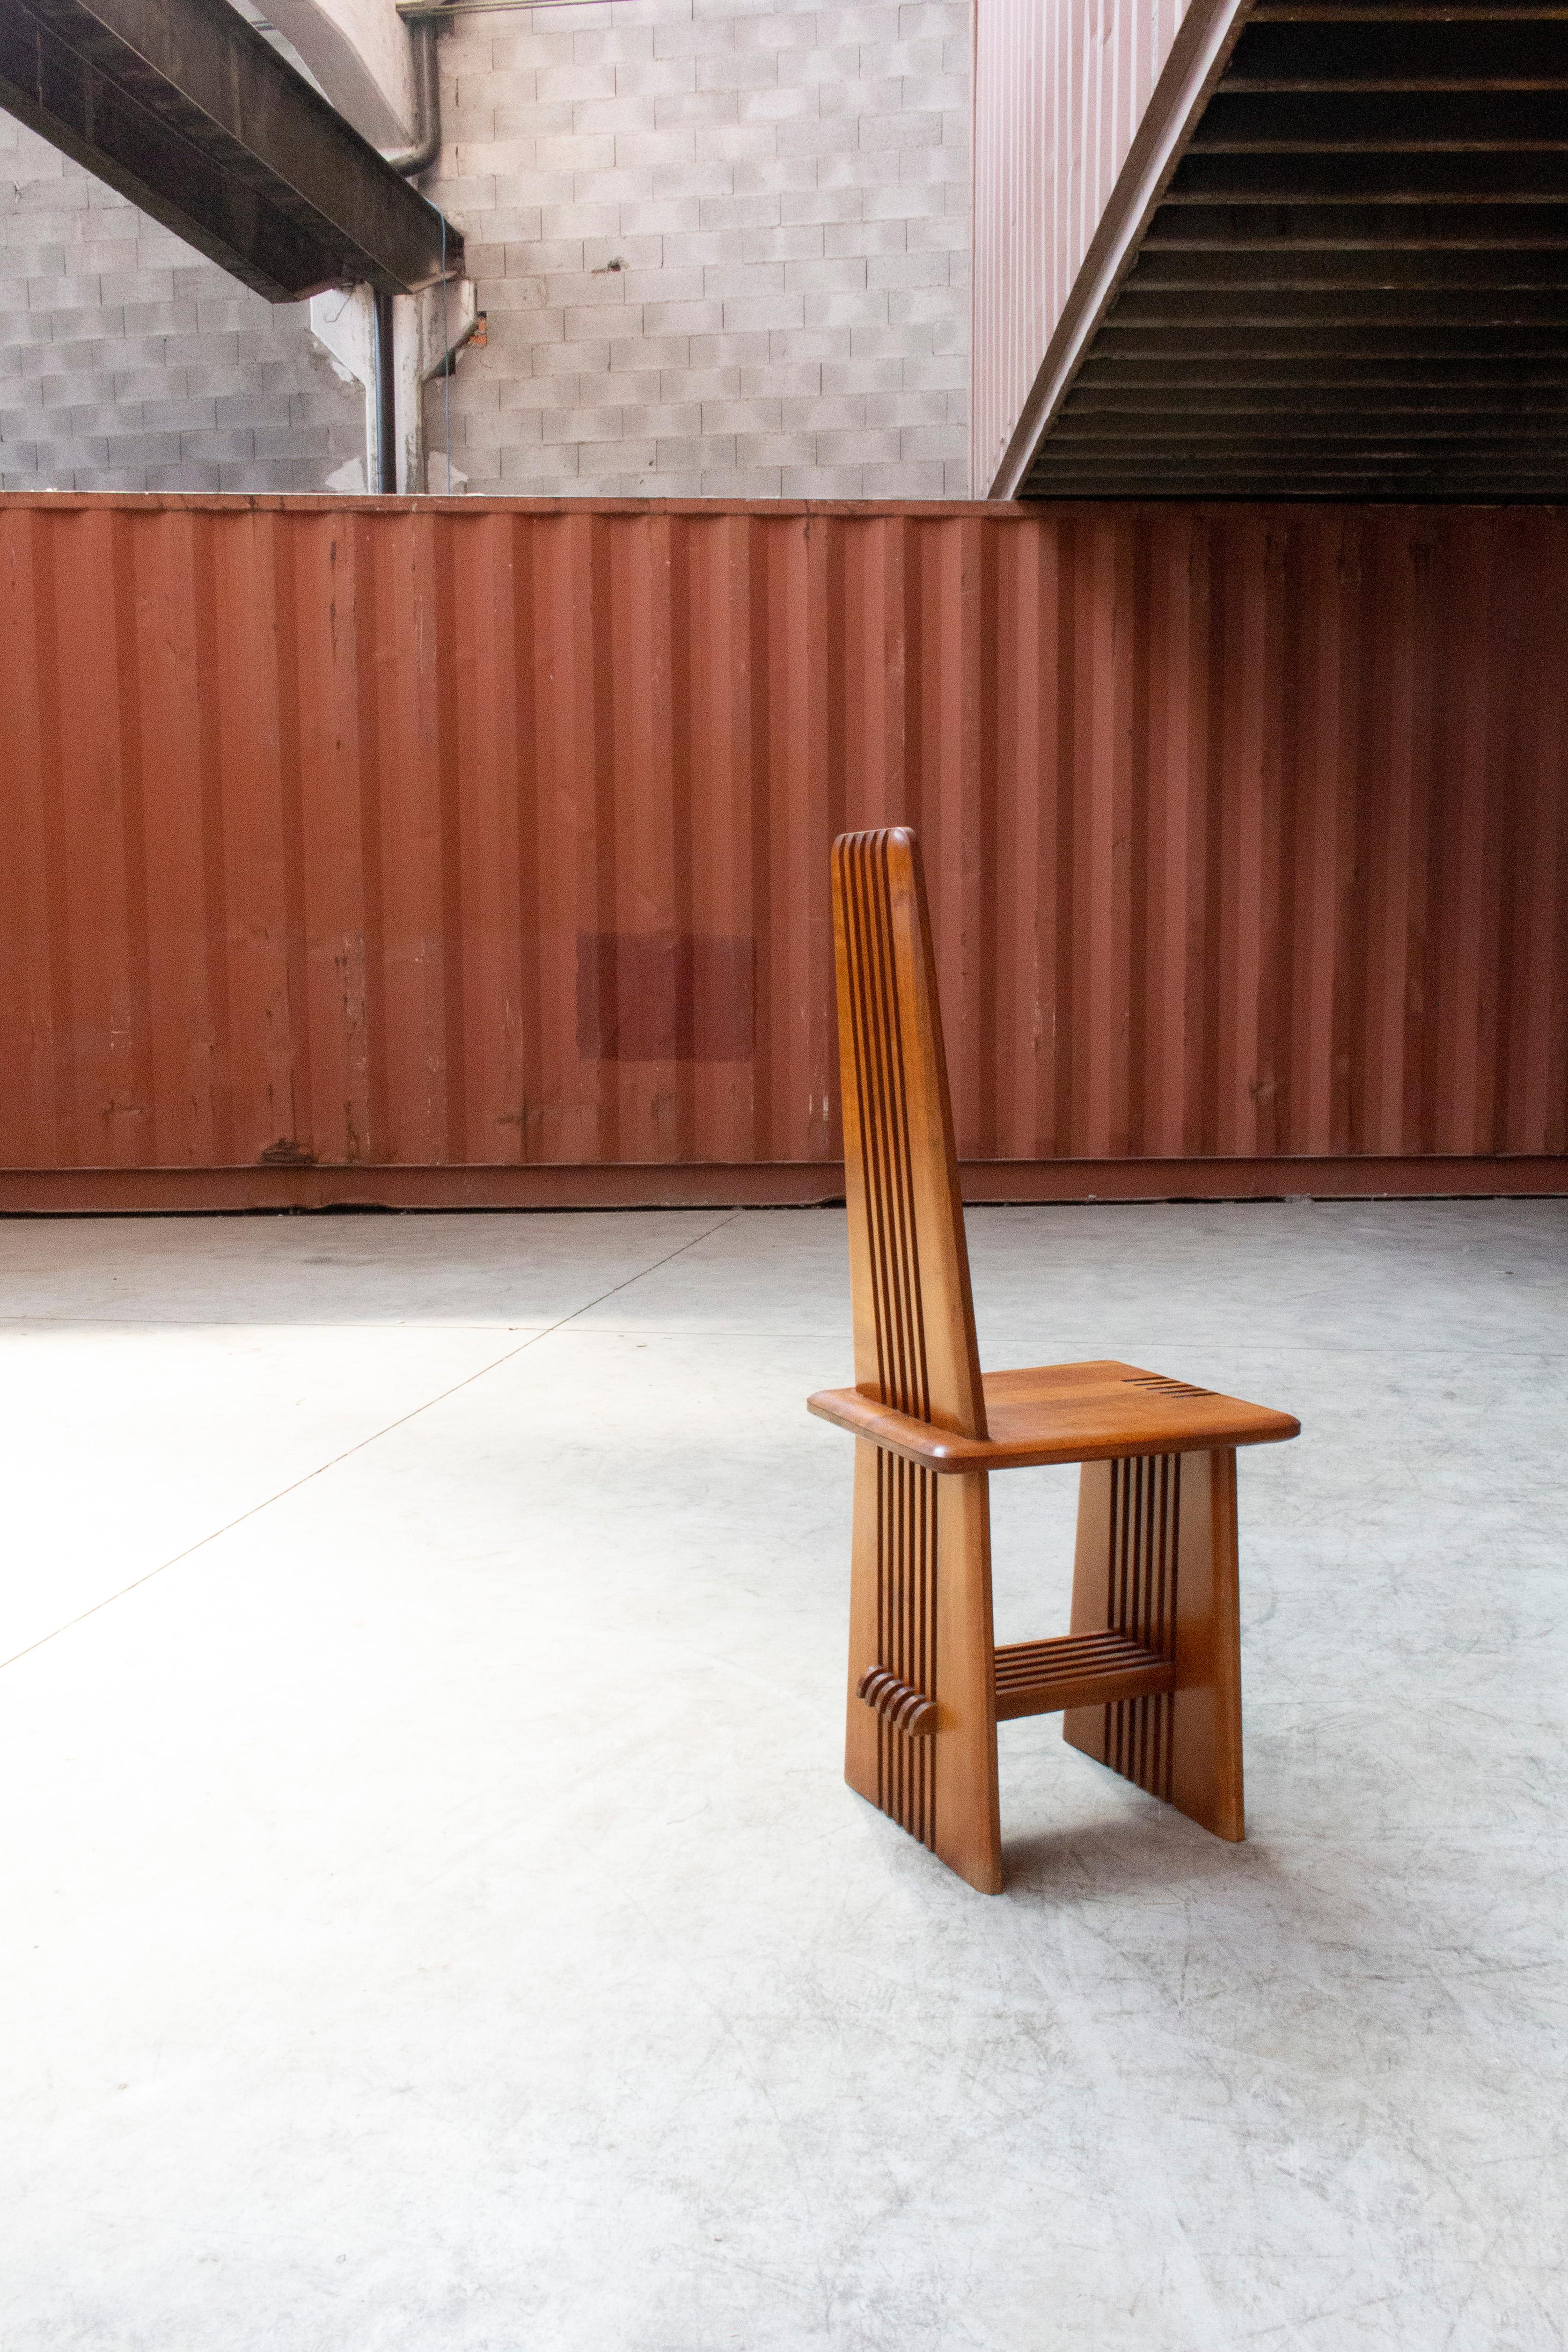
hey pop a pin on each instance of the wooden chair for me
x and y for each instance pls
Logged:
(1149, 1676)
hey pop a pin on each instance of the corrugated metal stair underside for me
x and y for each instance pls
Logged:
(1355, 284)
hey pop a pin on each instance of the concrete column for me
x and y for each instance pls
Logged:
(426, 329)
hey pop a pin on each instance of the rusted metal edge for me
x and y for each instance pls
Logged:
(778, 1184)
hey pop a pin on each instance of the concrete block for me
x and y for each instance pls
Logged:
(775, 28)
(525, 396)
(843, 274)
(931, 20)
(742, 279)
(572, 82)
(904, 481)
(825, 412)
(703, 110)
(808, 134)
(695, 452)
(737, 69)
(899, 130)
(300, 443)
(920, 305)
(869, 341)
(179, 415)
(849, 308)
(536, 464)
(666, 420)
(669, 285)
(845, 237)
(575, 217)
(700, 385)
(939, 94)
(216, 448)
(683, 38)
(739, 143)
(513, 292)
(655, 78)
(704, 248)
(916, 412)
(866, 446)
(626, 45)
(820, 65)
(61, 293)
(850, 378)
(779, 309)
(942, 232)
(805, 343)
(610, 388)
(850, 101)
(751, 348)
(683, 318)
(926, 55)
(665, 215)
(512, 333)
(504, 429)
(722, 417)
(801, 241)
(759, 482)
(859, 167)
(937, 162)
(903, 270)
(662, 352)
(23, 326)
(830, 206)
(948, 373)
(791, 102)
(258, 411)
(784, 380)
(588, 289)
(581, 425)
(821, 480)
(78, 330)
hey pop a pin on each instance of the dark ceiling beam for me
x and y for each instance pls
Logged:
(190, 113)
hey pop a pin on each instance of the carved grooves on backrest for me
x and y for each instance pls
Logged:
(881, 1084)
(906, 1634)
(1145, 1543)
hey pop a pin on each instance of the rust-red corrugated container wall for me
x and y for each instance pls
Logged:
(446, 852)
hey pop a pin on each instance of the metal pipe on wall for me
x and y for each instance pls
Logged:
(385, 393)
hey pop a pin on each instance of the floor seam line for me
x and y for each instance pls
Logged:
(359, 1447)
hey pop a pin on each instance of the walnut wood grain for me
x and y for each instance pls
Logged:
(1077, 1670)
(1148, 1680)
(1063, 1412)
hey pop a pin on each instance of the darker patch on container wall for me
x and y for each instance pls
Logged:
(671, 996)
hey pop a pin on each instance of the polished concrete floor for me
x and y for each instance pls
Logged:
(433, 1919)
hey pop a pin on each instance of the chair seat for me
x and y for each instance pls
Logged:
(1065, 1412)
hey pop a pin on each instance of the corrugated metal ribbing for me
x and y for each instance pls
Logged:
(481, 834)
(1060, 88)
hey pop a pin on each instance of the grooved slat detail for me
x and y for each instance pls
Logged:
(1145, 1532)
(906, 1624)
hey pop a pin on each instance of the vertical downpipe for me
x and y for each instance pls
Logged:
(385, 397)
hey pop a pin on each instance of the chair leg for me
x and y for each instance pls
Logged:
(1157, 1560)
(920, 1608)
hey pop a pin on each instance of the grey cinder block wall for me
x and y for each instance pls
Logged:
(722, 245)
(128, 362)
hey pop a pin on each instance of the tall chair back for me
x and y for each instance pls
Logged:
(914, 1313)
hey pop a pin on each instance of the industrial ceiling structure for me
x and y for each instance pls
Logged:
(187, 110)
(1354, 283)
